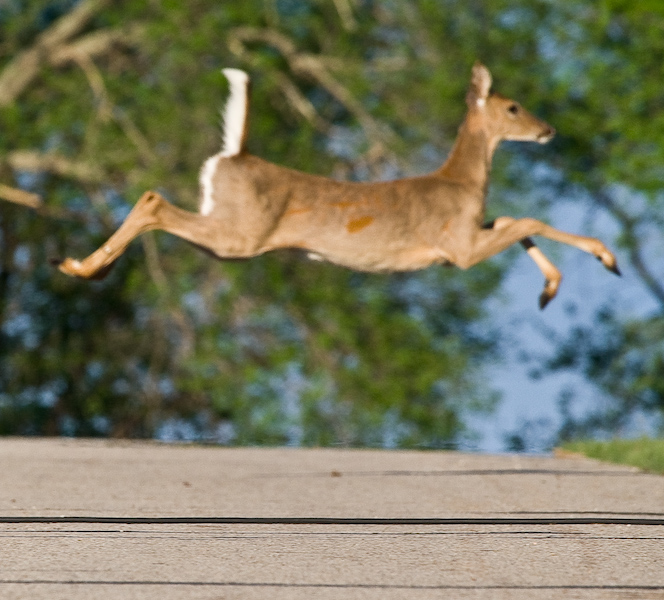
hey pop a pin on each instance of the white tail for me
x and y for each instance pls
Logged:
(250, 206)
(235, 112)
(234, 118)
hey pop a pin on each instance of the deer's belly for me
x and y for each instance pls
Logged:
(411, 259)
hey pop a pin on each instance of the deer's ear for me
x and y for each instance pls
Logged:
(480, 85)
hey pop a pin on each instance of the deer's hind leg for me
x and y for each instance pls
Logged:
(98, 264)
(151, 212)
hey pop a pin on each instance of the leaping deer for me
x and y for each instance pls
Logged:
(250, 206)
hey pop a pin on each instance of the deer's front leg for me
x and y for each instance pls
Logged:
(508, 231)
(552, 276)
(481, 244)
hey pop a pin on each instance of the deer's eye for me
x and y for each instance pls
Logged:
(513, 108)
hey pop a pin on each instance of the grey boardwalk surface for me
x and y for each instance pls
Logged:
(96, 519)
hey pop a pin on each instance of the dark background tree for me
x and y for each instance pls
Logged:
(102, 100)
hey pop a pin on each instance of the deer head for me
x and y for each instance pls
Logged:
(501, 117)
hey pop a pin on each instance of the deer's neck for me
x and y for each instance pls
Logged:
(469, 161)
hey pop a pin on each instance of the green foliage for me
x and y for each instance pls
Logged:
(277, 349)
(611, 353)
(273, 350)
(644, 453)
(603, 92)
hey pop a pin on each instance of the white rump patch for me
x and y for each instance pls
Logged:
(234, 116)
(207, 172)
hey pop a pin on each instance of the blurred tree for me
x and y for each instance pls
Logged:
(102, 100)
(603, 94)
(606, 87)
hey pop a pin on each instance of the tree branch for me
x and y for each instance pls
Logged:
(312, 66)
(301, 103)
(107, 110)
(23, 69)
(135, 136)
(629, 225)
(345, 11)
(36, 162)
(97, 85)
(154, 265)
(96, 44)
(34, 202)
(69, 25)
(18, 196)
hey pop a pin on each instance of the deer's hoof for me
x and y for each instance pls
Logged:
(549, 292)
(70, 267)
(544, 299)
(609, 261)
(614, 269)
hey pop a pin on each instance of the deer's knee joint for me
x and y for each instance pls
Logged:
(149, 196)
(150, 201)
(147, 208)
(463, 262)
(532, 225)
(502, 222)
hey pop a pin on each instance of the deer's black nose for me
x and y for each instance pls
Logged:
(546, 135)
